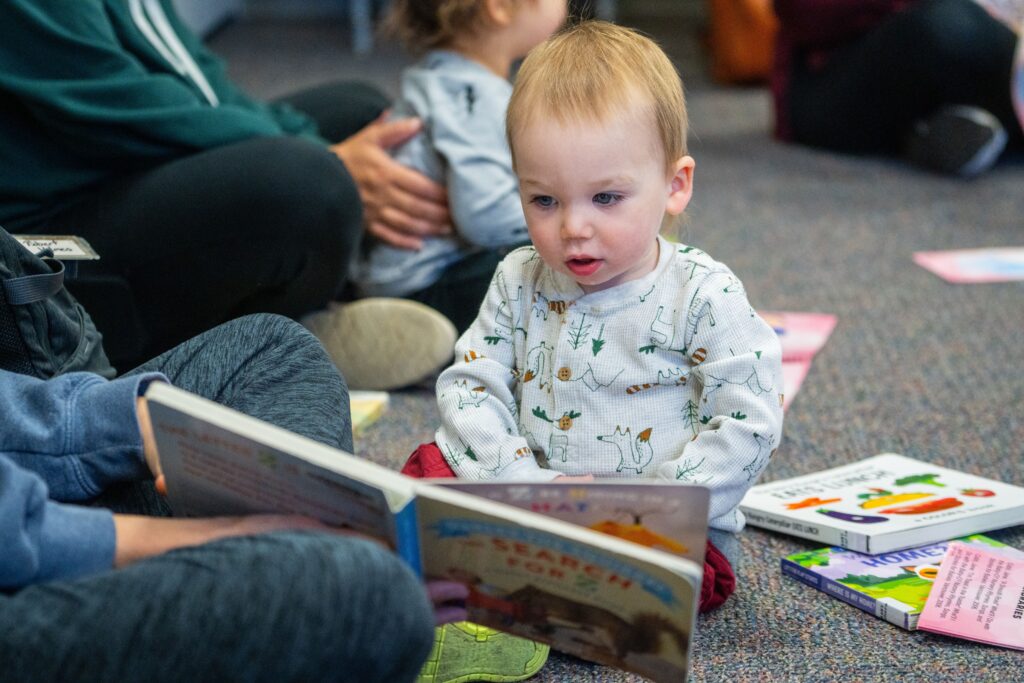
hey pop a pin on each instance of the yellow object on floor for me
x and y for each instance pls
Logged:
(366, 407)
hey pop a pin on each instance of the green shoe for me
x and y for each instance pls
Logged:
(465, 652)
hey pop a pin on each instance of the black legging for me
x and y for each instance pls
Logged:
(872, 91)
(265, 225)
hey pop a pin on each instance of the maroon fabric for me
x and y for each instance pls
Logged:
(719, 582)
(427, 462)
(809, 30)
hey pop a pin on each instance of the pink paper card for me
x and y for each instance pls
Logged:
(1005, 264)
(801, 334)
(793, 373)
(978, 595)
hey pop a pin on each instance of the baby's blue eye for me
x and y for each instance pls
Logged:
(544, 201)
(606, 198)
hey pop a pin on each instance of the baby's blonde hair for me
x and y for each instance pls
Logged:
(423, 25)
(595, 68)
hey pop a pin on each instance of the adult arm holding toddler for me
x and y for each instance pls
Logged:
(460, 89)
(138, 140)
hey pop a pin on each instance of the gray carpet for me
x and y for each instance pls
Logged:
(915, 365)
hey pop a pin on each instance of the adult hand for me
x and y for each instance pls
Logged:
(400, 205)
(139, 537)
(448, 599)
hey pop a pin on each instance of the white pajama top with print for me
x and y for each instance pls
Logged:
(672, 376)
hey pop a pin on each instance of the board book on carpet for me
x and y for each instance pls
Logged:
(585, 593)
(892, 586)
(884, 503)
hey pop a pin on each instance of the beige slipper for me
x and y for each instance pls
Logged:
(384, 344)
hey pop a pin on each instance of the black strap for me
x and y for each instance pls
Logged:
(29, 289)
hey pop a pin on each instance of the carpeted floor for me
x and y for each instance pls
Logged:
(915, 365)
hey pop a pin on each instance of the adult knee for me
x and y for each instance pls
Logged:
(283, 359)
(957, 34)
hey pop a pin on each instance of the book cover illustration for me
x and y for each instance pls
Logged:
(801, 336)
(978, 595)
(666, 517)
(592, 595)
(884, 503)
(892, 586)
(966, 266)
(579, 598)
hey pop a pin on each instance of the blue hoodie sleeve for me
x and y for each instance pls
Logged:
(65, 439)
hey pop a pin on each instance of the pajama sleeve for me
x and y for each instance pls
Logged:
(738, 362)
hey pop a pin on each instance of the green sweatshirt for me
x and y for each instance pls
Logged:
(91, 89)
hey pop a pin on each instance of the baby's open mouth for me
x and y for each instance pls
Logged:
(583, 266)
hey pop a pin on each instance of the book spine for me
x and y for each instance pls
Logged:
(838, 590)
(859, 600)
(794, 570)
(895, 616)
(407, 535)
(816, 532)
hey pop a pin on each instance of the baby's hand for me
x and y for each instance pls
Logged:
(449, 600)
(578, 477)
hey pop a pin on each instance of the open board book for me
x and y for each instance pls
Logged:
(884, 503)
(585, 593)
(892, 586)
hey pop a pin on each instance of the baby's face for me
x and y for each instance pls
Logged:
(595, 193)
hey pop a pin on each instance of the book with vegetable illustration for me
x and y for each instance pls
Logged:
(884, 503)
(892, 586)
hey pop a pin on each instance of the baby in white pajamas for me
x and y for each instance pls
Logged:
(605, 350)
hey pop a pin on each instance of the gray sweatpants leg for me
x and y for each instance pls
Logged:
(263, 365)
(266, 366)
(302, 607)
(280, 607)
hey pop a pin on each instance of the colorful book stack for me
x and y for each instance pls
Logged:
(888, 520)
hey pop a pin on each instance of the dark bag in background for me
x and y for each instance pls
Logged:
(44, 331)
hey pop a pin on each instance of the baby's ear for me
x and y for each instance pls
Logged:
(498, 12)
(680, 185)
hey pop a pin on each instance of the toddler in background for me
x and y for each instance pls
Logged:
(605, 350)
(460, 90)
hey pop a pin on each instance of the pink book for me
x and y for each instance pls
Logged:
(978, 595)
(1004, 264)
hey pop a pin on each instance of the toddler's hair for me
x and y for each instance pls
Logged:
(422, 25)
(588, 71)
